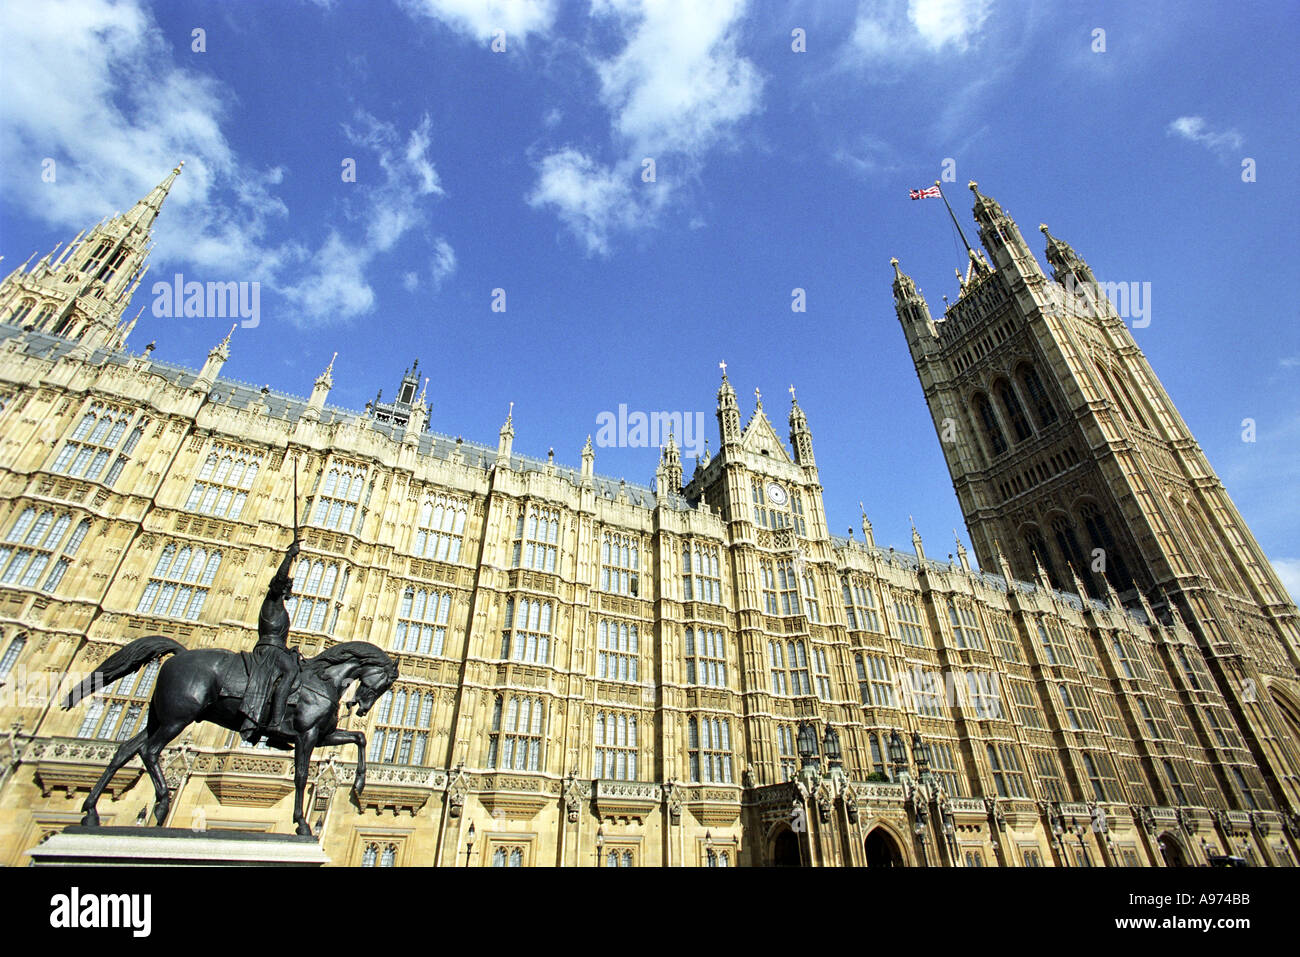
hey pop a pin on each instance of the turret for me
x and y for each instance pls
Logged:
(1001, 237)
(914, 313)
(506, 439)
(216, 359)
(668, 477)
(728, 411)
(1067, 267)
(320, 390)
(800, 436)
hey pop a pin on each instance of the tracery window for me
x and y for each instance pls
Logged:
(527, 633)
(340, 498)
(39, 542)
(121, 709)
(318, 590)
(620, 564)
(537, 536)
(614, 746)
(701, 578)
(180, 582)
(709, 749)
(403, 718)
(706, 657)
(518, 725)
(222, 486)
(441, 528)
(422, 622)
(619, 652)
(100, 433)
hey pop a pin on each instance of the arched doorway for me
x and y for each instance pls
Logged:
(785, 849)
(882, 850)
(1172, 850)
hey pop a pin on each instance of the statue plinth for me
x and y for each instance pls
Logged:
(79, 846)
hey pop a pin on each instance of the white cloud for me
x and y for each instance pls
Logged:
(410, 281)
(1193, 128)
(943, 22)
(591, 199)
(889, 32)
(123, 112)
(481, 19)
(1288, 569)
(676, 89)
(679, 84)
(444, 261)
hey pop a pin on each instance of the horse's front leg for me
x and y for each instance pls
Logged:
(359, 739)
(302, 750)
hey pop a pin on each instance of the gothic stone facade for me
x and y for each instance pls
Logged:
(592, 672)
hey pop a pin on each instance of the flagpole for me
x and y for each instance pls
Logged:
(939, 186)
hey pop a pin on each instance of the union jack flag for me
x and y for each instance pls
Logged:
(926, 193)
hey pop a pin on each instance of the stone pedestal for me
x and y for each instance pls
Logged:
(79, 846)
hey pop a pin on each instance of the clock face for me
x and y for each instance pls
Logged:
(776, 494)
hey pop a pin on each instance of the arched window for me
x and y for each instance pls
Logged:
(180, 582)
(992, 430)
(11, 655)
(1099, 534)
(516, 738)
(1068, 545)
(1011, 402)
(422, 622)
(1039, 401)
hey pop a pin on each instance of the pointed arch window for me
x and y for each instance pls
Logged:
(422, 622)
(988, 420)
(614, 747)
(441, 530)
(224, 481)
(1039, 400)
(181, 579)
(537, 536)
(101, 432)
(36, 543)
(1011, 402)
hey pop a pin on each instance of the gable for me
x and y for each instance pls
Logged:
(759, 437)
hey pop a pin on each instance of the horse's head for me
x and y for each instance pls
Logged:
(374, 680)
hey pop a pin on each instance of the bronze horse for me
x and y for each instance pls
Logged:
(207, 684)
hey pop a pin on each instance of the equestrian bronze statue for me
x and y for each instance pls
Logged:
(231, 689)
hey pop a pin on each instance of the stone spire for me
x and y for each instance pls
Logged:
(867, 535)
(588, 462)
(728, 411)
(800, 436)
(320, 390)
(506, 438)
(1067, 267)
(962, 558)
(668, 477)
(914, 314)
(916, 540)
(1001, 237)
(83, 293)
(216, 359)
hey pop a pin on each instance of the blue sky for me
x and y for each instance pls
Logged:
(522, 170)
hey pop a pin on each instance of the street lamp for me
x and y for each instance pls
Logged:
(600, 846)
(807, 744)
(831, 745)
(897, 753)
(1079, 831)
(469, 843)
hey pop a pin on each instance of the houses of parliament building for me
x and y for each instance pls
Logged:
(595, 673)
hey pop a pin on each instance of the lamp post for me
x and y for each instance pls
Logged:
(708, 849)
(469, 843)
(897, 754)
(600, 846)
(1079, 831)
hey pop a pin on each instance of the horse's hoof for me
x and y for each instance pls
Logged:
(304, 830)
(160, 814)
(91, 819)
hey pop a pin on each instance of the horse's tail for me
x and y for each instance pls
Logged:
(125, 661)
